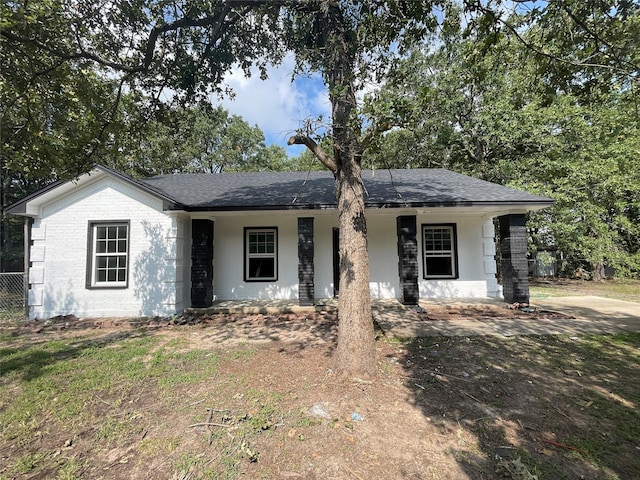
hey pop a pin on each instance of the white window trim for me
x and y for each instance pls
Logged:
(93, 255)
(452, 253)
(247, 256)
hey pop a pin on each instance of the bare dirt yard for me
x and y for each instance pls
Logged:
(254, 396)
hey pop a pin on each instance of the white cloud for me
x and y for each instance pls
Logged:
(277, 105)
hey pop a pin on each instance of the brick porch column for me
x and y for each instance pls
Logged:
(513, 249)
(201, 263)
(306, 273)
(408, 259)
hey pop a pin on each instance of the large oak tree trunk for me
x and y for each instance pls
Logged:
(356, 350)
(355, 353)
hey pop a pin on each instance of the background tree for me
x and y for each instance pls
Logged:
(590, 166)
(59, 116)
(490, 112)
(193, 139)
(139, 140)
(581, 47)
(53, 115)
(459, 108)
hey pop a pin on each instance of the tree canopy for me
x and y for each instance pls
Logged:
(194, 139)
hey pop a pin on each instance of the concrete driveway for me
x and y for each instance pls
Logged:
(590, 315)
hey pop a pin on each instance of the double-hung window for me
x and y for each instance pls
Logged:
(261, 254)
(439, 251)
(108, 254)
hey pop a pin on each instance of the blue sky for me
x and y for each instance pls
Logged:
(277, 105)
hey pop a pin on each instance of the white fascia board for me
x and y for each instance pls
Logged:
(34, 207)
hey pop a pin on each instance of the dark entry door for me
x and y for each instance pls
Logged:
(336, 262)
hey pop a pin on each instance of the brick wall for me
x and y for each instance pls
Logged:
(59, 257)
(201, 263)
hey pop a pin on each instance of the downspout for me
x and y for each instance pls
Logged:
(28, 221)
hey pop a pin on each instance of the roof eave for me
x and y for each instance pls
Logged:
(20, 207)
(246, 208)
(524, 205)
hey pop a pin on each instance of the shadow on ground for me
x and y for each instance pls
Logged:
(555, 406)
(34, 356)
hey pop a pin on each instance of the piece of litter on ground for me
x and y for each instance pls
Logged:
(356, 417)
(319, 411)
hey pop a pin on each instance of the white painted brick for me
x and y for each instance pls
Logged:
(490, 267)
(489, 248)
(488, 230)
(38, 231)
(36, 296)
(37, 253)
(36, 275)
(66, 223)
(172, 232)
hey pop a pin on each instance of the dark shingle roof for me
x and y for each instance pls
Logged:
(297, 190)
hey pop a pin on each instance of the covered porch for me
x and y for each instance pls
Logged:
(312, 274)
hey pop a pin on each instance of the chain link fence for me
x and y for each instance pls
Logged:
(12, 306)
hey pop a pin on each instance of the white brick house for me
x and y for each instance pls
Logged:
(110, 245)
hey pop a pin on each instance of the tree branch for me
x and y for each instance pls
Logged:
(373, 132)
(210, 20)
(539, 51)
(70, 55)
(216, 19)
(320, 154)
(300, 5)
(30, 83)
(103, 128)
(598, 38)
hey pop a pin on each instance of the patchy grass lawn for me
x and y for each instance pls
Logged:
(186, 403)
(618, 288)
